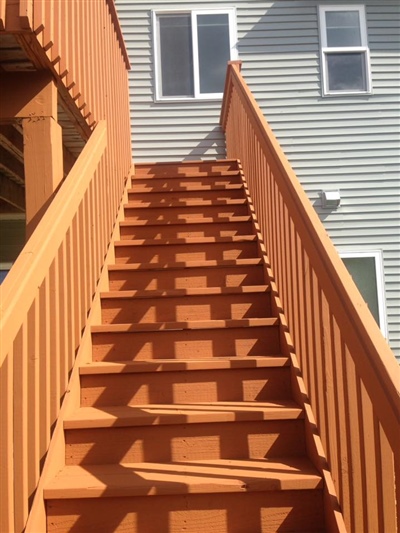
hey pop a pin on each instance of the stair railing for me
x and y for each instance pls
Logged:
(351, 376)
(45, 299)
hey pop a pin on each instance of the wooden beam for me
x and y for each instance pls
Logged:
(34, 52)
(11, 165)
(32, 98)
(12, 140)
(12, 193)
(27, 95)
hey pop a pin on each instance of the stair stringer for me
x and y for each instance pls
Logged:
(334, 520)
(54, 460)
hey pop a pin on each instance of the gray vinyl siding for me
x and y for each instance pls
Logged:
(350, 143)
(165, 131)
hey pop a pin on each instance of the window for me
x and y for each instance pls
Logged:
(366, 269)
(344, 50)
(191, 52)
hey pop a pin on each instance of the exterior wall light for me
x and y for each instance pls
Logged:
(330, 199)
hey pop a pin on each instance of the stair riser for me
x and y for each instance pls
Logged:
(186, 387)
(184, 252)
(152, 215)
(147, 310)
(185, 344)
(165, 197)
(186, 278)
(167, 170)
(229, 229)
(262, 512)
(185, 442)
(176, 184)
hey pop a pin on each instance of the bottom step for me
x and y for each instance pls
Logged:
(196, 497)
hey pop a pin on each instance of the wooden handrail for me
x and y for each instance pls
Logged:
(48, 293)
(19, 289)
(337, 334)
(44, 301)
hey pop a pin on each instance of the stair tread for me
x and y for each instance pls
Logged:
(174, 365)
(143, 189)
(186, 240)
(210, 263)
(184, 203)
(176, 293)
(197, 220)
(189, 324)
(206, 476)
(199, 174)
(167, 414)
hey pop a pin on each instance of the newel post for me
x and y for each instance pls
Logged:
(232, 65)
(31, 97)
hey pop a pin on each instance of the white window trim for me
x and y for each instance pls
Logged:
(380, 283)
(231, 12)
(325, 49)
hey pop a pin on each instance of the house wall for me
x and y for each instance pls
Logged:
(347, 143)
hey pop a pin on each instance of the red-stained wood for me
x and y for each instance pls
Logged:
(340, 349)
(194, 374)
(56, 274)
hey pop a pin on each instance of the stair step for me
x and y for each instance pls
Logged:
(167, 414)
(189, 249)
(182, 204)
(184, 184)
(217, 210)
(186, 386)
(184, 433)
(173, 365)
(185, 197)
(186, 340)
(228, 273)
(193, 221)
(196, 477)
(250, 512)
(194, 228)
(184, 169)
(187, 325)
(188, 240)
(176, 293)
(185, 304)
(192, 169)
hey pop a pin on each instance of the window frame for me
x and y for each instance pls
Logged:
(380, 282)
(158, 96)
(327, 50)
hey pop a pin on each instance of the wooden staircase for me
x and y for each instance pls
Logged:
(187, 420)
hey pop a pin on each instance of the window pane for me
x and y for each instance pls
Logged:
(214, 51)
(346, 72)
(176, 55)
(343, 28)
(363, 272)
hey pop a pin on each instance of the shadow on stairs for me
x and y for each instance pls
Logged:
(187, 420)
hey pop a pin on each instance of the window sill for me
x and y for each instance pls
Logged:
(347, 93)
(185, 100)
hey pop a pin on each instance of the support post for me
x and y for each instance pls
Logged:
(32, 99)
(43, 160)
